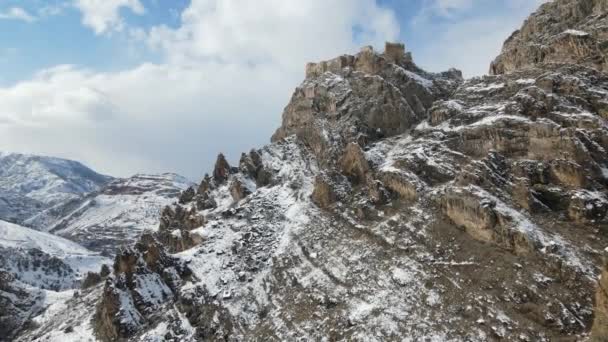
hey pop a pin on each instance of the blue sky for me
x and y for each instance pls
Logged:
(134, 81)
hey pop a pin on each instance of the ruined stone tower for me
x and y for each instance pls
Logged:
(366, 60)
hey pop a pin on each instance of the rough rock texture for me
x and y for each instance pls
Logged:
(399, 205)
(600, 324)
(222, 169)
(361, 98)
(17, 305)
(144, 279)
(561, 31)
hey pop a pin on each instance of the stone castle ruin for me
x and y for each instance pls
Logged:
(365, 60)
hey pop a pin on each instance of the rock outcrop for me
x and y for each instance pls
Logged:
(361, 98)
(144, 280)
(561, 31)
(17, 305)
(600, 324)
(221, 170)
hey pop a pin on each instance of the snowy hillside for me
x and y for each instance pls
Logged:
(116, 215)
(31, 183)
(70, 261)
(392, 204)
(38, 270)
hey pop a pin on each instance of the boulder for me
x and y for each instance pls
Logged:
(187, 195)
(353, 163)
(205, 201)
(206, 185)
(587, 207)
(323, 194)
(238, 190)
(405, 185)
(481, 219)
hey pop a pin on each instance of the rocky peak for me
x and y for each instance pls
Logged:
(362, 98)
(397, 204)
(367, 60)
(144, 278)
(221, 170)
(561, 31)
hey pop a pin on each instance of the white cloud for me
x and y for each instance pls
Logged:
(469, 41)
(451, 8)
(104, 15)
(229, 70)
(237, 31)
(446, 8)
(17, 13)
(53, 9)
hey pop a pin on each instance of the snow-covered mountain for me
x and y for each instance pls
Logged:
(36, 270)
(24, 252)
(115, 215)
(391, 204)
(30, 184)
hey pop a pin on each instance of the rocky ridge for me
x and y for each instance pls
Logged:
(572, 32)
(391, 203)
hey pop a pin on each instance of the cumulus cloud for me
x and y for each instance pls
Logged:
(228, 71)
(273, 31)
(104, 15)
(17, 13)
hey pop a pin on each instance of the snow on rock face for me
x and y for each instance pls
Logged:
(68, 317)
(38, 272)
(38, 183)
(44, 260)
(561, 31)
(478, 214)
(119, 213)
(362, 271)
(365, 100)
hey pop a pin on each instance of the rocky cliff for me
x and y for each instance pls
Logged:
(559, 32)
(393, 204)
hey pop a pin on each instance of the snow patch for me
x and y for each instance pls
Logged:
(576, 33)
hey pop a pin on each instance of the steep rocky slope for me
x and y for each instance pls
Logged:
(116, 214)
(392, 204)
(560, 31)
(30, 184)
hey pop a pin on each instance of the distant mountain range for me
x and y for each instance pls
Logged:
(69, 199)
(60, 220)
(30, 184)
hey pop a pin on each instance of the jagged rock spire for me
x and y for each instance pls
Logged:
(221, 171)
